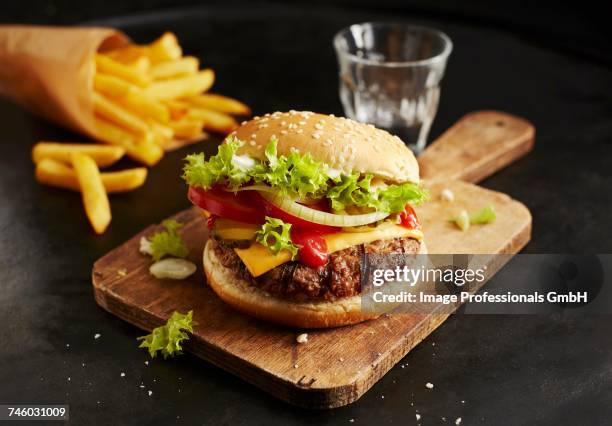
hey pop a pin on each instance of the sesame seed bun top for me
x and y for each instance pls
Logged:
(339, 142)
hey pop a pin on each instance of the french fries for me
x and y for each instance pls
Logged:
(146, 99)
(168, 69)
(187, 128)
(219, 103)
(95, 199)
(154, 93)
(117, 114)
(103, 155)
(106, 65)
(111, 85)
(131, 97)
(54, 173)
(213, 120)
(165, 48)
(182, 87)
(140, 149)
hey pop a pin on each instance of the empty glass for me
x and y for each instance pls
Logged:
(390, 76)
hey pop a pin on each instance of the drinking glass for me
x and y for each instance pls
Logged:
(390, 76)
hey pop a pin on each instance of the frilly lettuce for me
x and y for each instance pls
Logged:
(356, 190)
(298, 176)
(167, 339)
(275, 234)
(168, 242)
(219, 168)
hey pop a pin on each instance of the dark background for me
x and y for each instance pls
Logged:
(550, 64)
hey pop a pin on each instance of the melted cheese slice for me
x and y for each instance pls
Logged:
(259, 259)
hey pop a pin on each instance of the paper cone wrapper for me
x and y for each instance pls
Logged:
(49, 70)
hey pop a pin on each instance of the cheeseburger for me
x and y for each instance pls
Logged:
(294, 201)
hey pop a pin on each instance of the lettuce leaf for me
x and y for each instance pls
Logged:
(394, 198)
(219, 168)
(275, 234)
(167, 339)
(353, 190)
(168, 242)
(295, 175)
(298, 176)
(463, 220)
(486, 215)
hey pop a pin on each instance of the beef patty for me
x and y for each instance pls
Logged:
(339, 278)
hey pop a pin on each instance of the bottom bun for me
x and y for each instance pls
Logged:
(255, 302)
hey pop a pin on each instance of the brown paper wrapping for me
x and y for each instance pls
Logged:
(49, 70)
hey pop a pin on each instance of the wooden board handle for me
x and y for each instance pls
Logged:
(478, 145)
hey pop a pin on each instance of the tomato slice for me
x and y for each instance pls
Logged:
(313, 247)
(274, 211)
(408, 218)
(210, 222)
(242, 207)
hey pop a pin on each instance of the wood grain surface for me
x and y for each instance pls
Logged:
(336, 366)
(477, 146)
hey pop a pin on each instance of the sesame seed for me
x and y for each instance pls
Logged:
(283, 123)
(302, 338)
(283, 132)
(316, 135)
(300, 131)
(252, 143)
(302, 123)
(318, 126)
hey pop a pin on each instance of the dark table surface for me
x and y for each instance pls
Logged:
(553, 369)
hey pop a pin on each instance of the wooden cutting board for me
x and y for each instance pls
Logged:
(339, 365)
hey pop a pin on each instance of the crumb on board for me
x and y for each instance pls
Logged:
(302, 338)
(418, 416)
(458, 421)
(429, 385)
(447, 195)
(97, 336)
